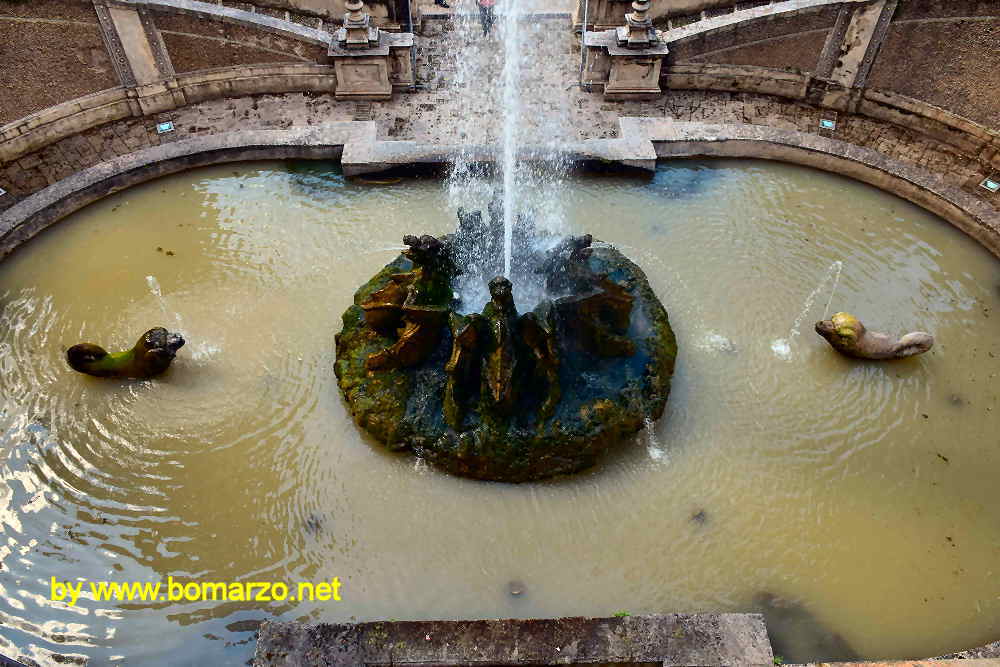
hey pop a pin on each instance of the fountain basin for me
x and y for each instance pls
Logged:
(816, 490)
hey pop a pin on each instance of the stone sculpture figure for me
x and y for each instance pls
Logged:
(149, 357)
(414, 304)
(494, 394)
(537, 331)
(500, 358)
(848, 335)
(463, 366)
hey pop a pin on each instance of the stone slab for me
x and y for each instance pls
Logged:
(138, 50)
(608, 39)
(671, 639)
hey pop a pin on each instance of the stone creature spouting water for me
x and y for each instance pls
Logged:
(499, 394)
(849, 336)
(149, 357)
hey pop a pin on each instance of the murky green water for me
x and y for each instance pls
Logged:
(851, 502)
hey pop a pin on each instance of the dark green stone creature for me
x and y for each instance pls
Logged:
(149, 357)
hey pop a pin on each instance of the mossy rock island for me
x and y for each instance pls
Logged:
(495, 394)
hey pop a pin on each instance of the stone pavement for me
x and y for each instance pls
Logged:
(639, 641)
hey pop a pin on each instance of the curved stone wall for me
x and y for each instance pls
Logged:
(47, 147)
(54, 124)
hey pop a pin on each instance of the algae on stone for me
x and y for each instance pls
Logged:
(499, 395)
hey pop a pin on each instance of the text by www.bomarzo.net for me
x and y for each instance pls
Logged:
(174, 590)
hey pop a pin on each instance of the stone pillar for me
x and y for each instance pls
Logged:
(369, 63)
(626, 60)
(638, 31)
(359, 31)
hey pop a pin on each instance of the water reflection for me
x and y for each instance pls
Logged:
(241, 463)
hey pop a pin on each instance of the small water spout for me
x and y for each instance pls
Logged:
(653, 448)
(157, 291)
(782, 347)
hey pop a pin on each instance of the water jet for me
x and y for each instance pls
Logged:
(499, 395)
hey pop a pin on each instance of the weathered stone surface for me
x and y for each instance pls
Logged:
(498, 395)
(674, 639)
(74, 190)
(989, 652)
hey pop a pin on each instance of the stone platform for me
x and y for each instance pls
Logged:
(638, 641)
(629, 641)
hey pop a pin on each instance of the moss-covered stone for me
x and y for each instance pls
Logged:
(603, 396)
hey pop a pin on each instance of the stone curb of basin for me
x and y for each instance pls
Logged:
(669, 639)
(641, 142)
(973, 215)
(34, 213)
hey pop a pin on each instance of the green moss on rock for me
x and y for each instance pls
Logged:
(604, 401)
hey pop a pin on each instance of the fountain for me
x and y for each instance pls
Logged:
(506, 351)
(513, 348)
(499, 395)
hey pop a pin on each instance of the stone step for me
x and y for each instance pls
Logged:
(639, 641)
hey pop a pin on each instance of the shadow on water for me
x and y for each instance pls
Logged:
(315, 176)
(682, 179)
(797, 635)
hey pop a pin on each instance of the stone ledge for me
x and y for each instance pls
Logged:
(38, 130)
(672, 639)
(973, 215)
(31, 215)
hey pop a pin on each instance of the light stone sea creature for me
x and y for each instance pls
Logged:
(849, 336)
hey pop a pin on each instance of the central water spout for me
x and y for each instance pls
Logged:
(513, 53)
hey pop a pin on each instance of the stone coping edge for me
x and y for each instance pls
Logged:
(669, 639)
(33, 214)
(973, 215)
(641, 142)
(55, 123)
